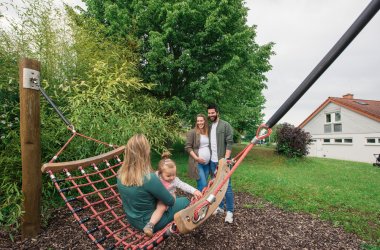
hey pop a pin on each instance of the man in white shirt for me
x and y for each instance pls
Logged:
(221, 140)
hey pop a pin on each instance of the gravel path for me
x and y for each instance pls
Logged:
(257, 225)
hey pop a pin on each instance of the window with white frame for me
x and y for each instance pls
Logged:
(337, 116)
(327, 128)
(343, 141)
(328, 118)
(372, 141)
(337, 127)
(348, 140)
(333, 122)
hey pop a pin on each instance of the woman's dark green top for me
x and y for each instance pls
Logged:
(139, 202)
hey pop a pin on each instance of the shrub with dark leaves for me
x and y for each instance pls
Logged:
(292, 141)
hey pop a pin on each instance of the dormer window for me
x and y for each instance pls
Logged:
(337, 116)
(337, 127)
(328, 118)
(333, 122)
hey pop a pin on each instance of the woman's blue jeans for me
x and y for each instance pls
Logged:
(229, 197)
(203, 172)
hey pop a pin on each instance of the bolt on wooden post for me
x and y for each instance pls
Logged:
(29, 75)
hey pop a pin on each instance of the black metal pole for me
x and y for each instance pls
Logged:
(368, 13)
(55, 107)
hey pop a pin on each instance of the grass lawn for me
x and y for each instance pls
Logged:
(343, 192)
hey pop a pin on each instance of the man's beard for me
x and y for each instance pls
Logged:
(213, 118)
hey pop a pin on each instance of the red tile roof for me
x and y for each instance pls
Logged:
(368, 108)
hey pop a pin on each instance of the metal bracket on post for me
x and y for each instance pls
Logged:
(31, 79)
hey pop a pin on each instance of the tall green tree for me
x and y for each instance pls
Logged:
(196, 52)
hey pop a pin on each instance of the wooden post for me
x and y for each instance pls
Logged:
(29, 75)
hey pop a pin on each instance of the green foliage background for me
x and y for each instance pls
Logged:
(196, 53)
(92, 78)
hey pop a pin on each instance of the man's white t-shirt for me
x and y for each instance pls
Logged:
(214, 149)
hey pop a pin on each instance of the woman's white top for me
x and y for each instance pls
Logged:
(204, 149)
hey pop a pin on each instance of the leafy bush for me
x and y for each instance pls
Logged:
(10, 161)
(111, 102)
(292, 141)
(10, 191)
(91, 78)
(34, 34)
(112, 107)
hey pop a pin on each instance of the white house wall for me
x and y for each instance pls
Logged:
(354, 126)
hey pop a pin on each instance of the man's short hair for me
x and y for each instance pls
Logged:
(213, 106)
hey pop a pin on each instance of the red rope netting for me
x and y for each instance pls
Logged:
(91, 195)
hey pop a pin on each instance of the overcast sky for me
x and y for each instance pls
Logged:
(304, 31)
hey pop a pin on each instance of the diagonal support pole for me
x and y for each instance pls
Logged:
(368, 13)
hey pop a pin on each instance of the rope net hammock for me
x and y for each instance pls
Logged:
(88, 187)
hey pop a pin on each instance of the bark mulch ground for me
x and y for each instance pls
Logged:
(257, 225)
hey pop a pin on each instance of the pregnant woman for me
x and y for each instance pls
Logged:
(197, 145)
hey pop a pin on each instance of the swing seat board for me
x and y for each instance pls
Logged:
(184, 218)
(73, 165)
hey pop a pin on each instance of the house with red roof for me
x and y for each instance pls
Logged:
(345, 128)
